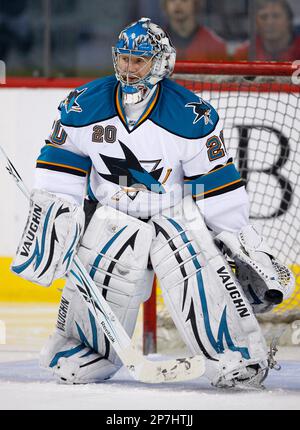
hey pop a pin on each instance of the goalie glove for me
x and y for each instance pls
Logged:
(265, 281)
(50, 238)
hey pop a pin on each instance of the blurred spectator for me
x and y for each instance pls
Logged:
(276, 38)
(192, 40)
(14, 30)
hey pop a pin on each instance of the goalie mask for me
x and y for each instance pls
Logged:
(142, 57)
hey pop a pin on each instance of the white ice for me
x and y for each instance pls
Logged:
(23, 385)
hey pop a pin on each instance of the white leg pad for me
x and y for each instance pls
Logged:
(115, 251)
(202, 295)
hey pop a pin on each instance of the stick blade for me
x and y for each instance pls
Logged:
(176, 370)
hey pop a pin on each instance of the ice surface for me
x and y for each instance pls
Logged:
(23, 385)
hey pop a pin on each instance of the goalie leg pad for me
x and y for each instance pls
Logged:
(203, 297)
(115, 251)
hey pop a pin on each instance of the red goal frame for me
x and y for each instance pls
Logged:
(255, 68)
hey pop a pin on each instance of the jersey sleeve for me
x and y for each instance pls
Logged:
(62, 168)
(215, 184)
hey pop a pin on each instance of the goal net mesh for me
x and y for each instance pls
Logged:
(262, 133)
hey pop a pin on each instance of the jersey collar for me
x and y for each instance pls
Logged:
(145, 115)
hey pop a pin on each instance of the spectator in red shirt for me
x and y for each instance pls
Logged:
(192, 41)
(275, 40)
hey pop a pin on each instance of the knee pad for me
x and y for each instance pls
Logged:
(201, 293)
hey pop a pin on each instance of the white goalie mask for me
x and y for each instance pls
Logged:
(142, 57)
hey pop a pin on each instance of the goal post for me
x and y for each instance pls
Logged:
(259, 104)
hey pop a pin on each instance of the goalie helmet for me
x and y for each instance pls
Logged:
(147, 43)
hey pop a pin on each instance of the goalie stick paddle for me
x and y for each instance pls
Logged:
(141, 369)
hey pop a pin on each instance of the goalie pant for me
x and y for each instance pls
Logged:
(206, 303)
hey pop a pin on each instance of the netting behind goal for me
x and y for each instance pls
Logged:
(260, 105)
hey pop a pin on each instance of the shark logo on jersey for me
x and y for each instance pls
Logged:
(129, 174)
(71, 102)
(201, 110)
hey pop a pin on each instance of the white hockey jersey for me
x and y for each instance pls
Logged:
(175, 147)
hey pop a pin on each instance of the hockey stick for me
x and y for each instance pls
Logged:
(140, 368)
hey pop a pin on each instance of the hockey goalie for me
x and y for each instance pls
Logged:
(135, 178)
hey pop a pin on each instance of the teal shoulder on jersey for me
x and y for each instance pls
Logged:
(90, 103)
(176, 112)
(177, 109)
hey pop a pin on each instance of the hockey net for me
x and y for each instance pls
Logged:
(259, 104)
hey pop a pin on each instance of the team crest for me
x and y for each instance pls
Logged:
(130, 175)
(201, 110)
(71, 102)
